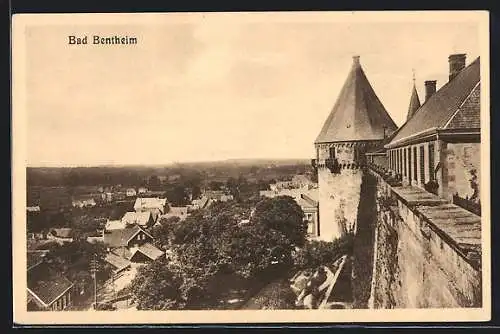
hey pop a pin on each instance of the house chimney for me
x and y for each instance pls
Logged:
(457, 63)
(430, 88)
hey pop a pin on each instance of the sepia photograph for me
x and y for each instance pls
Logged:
(251, 167)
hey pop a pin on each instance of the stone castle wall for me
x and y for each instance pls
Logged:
(415, 264)
(338, 201)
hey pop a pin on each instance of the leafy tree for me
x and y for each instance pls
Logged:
(73, 259)
(157, 287)
(233, 187)
(283, 214)
(153, 182)
(316, 253)
(164, 233)
(177, 195)
(195, 191)
(209, 245)
(215, 185)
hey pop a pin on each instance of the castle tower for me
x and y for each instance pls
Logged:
(357, 122)
(414, 102)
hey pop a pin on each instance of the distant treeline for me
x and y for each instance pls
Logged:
(194, 173)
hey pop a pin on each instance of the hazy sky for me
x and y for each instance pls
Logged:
(214, 89)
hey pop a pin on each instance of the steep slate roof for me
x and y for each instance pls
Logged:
(456, 103)
(120, 238)
(50, 287)
(357, 114)
(468, 115)
(414, 103)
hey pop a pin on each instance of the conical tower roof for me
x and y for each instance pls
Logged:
(414, 103)
(357, 114)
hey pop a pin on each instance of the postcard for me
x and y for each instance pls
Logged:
(251, 167)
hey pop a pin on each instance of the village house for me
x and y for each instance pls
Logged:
(84, 203)
(302, 181)
(118, 263)
(130, 192)
(217, 195)
(310, 208)
(33, 208)
(61, 235)
(107, 197)
(199, 204)
(142, 190)
(150, 204)
(438, 148)
(174, 177)
(144, 219)
(177, 211)
(133, 244)
(48, 290)
(297, 181)
(115, 224)
(95, 239)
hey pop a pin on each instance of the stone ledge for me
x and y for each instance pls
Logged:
(458, 227)
(413, 196)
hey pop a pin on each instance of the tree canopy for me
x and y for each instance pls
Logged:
(73, 260)
(210, 244)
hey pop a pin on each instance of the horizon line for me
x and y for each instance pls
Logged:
(164, 164)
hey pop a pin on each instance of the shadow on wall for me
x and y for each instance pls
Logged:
(362, 263)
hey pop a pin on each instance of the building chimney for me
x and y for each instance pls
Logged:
(430, 88)
(457, 63)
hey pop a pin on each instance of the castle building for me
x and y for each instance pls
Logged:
(438, 148)
(357, 123)
(428, 226)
